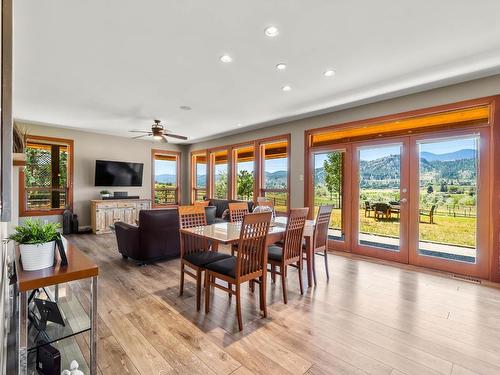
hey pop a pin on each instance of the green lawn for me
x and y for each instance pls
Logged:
(459, 231)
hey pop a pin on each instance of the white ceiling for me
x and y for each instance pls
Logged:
(112, 66)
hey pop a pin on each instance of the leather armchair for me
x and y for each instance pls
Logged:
(156, 237)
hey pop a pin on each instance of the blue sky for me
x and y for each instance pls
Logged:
(165, 167)
(439, 147)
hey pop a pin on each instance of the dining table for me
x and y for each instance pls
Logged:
(228, 233)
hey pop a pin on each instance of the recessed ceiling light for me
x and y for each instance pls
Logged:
(329, 73)
(239, 125)
(185, 108)
(286, 88)
(271, 31)
(281, 66)
(226, 58)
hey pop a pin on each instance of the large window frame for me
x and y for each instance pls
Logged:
(50, 141)
(232, 149)
(194, 175)
(177, 189)
(346, 132)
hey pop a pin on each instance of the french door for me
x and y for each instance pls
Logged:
(380, 199)
(419, 199)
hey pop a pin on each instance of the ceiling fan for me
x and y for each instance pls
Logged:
(158, 132)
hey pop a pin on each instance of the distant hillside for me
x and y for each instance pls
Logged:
(166, 178)
(383, 172)
(456, 155)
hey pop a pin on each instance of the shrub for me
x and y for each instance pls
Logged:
(33, 232)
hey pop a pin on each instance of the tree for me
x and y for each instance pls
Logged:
(245, 184)
(333, 174)
(221, 185)
(430, 189)
(444, 187)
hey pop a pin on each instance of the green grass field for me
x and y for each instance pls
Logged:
(458, 231)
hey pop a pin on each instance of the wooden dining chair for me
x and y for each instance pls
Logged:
(202, 203)
(290, 254)
(195, 251)
(248, 265)
(320, 238)
(237, 211)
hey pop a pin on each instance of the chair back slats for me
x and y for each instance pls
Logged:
(237, 211)
(252, 249)
(321, 226)
(292, 244)
(189, 217)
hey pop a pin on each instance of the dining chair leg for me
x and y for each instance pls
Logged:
(299, 264)
(273, 273)
(238, 307)
(283, 283)
(230, 287)
(207, 291)
(262, 288)
(326, 265)
(181, 287)
(313, 261)
(198, 289)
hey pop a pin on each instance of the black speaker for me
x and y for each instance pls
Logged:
(48, 360)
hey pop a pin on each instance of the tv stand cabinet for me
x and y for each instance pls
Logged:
(106, 212)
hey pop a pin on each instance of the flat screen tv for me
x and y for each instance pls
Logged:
(118, 173)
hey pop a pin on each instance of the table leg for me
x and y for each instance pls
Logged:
(23, 333)
(309, 261)
(56, 293)
(93, 326)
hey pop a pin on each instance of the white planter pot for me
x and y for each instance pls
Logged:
(37, 257)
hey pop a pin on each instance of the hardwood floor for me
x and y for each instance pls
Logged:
(369, 318)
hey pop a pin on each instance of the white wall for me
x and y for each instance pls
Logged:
(450, 94)
(91, 146)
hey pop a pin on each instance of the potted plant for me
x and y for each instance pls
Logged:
(105, 194)
(36, 243)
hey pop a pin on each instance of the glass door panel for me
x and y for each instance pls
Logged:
(448, 190)
(379, 196)
(328, 182)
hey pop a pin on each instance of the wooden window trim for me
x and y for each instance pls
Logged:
(260, 160)
(22, 188)
(193, 183)
(178, 189)
(232, 166)
(494, 185)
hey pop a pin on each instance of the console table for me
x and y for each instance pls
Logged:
(106, 212)
(76, 319)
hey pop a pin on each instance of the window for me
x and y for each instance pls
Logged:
(244, 172)
(46, 184)
(166, 175)
(274, 173)
(199, 176)
(220, 174)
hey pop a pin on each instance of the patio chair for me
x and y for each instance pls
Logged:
(368, 208)
(382, 210)
(430, 213)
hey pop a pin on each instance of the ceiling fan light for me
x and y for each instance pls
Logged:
(157, 137)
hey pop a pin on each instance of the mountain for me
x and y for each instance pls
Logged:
(458, 166)
(276, 180)
(456, 155)
(166, 178)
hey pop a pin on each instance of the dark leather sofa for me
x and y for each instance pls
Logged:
(156, 237)
(223, 204)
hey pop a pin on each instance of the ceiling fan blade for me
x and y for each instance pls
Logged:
(164, 139)
(138, 131)
(140, 136)
(176, 136)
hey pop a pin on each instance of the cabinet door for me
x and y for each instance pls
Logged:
(100, 220)
(119, 214)
(110, 219)
(129, 215)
